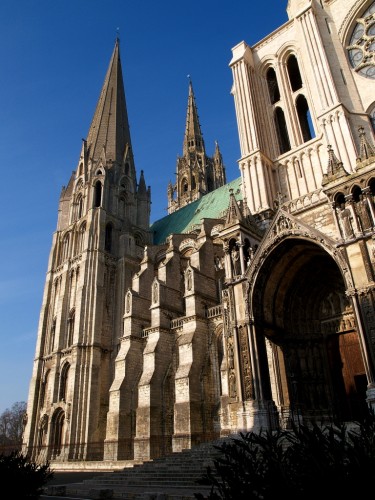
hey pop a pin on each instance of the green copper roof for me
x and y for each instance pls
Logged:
(211, 206)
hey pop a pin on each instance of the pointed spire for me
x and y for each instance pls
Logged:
(234, 214)
(217, 155)
(335, 168)
(366, 150)
(193, 134)
(109, 130)
(142, 190)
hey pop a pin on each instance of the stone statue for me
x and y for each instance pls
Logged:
(346, 222)
(235, 261)
(362, 209)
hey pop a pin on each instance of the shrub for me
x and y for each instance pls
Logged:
(308, 461)
(22, 477)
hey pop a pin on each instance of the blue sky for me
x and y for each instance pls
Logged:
(53, 58)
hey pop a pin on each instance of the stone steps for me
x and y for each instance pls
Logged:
(174, 477)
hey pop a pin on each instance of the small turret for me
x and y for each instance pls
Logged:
(143, 203)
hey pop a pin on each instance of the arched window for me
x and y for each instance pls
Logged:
(64, 382)
(70, 329)
(65, 248)
(108, 238)
(356, 193)
(43, 428)
(127, 168)
(282, 131)
(138, 239)
(79, 206)
(57, 432)
(43, 389)
(294, 74)
(339, 200)
(193, 183)
(371, 185)
(123, 206)
(98, 194)
(273, 88)
(184, 185)
(52, 336)
(304, 118)
(81, 238)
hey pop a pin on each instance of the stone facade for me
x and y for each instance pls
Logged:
(261, 314)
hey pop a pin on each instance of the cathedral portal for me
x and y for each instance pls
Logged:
(307, 336)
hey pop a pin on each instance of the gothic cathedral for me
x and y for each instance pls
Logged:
(251, 304)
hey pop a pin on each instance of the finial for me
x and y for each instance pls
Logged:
(366, 150)
(117, 33)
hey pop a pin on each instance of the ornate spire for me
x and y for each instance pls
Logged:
(234, 214)
(366, 150)
(193, 139)
(335, 168)
(109, 131)
(196, 173)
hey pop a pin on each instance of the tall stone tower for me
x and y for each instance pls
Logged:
(196, 174)
(103, 222)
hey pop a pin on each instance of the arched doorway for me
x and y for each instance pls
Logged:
(307, 339)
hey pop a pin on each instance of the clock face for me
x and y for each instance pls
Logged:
(361, 49)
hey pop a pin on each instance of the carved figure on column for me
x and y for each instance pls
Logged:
(235, 256)
(155, 292)
(346, 222)
(188, 279)
(218, 263)
(230, 354)
(250, 256)
(363, 213)
(127, 303)
(232, 384)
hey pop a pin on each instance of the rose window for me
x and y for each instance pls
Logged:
(362, 44)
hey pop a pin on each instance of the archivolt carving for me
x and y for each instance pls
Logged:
(285, 226)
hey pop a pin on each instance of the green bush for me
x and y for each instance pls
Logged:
(21, 477)
(308, 461)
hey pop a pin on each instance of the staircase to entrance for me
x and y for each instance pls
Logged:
(173, 477)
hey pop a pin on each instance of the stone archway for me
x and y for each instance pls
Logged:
(309, 351)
